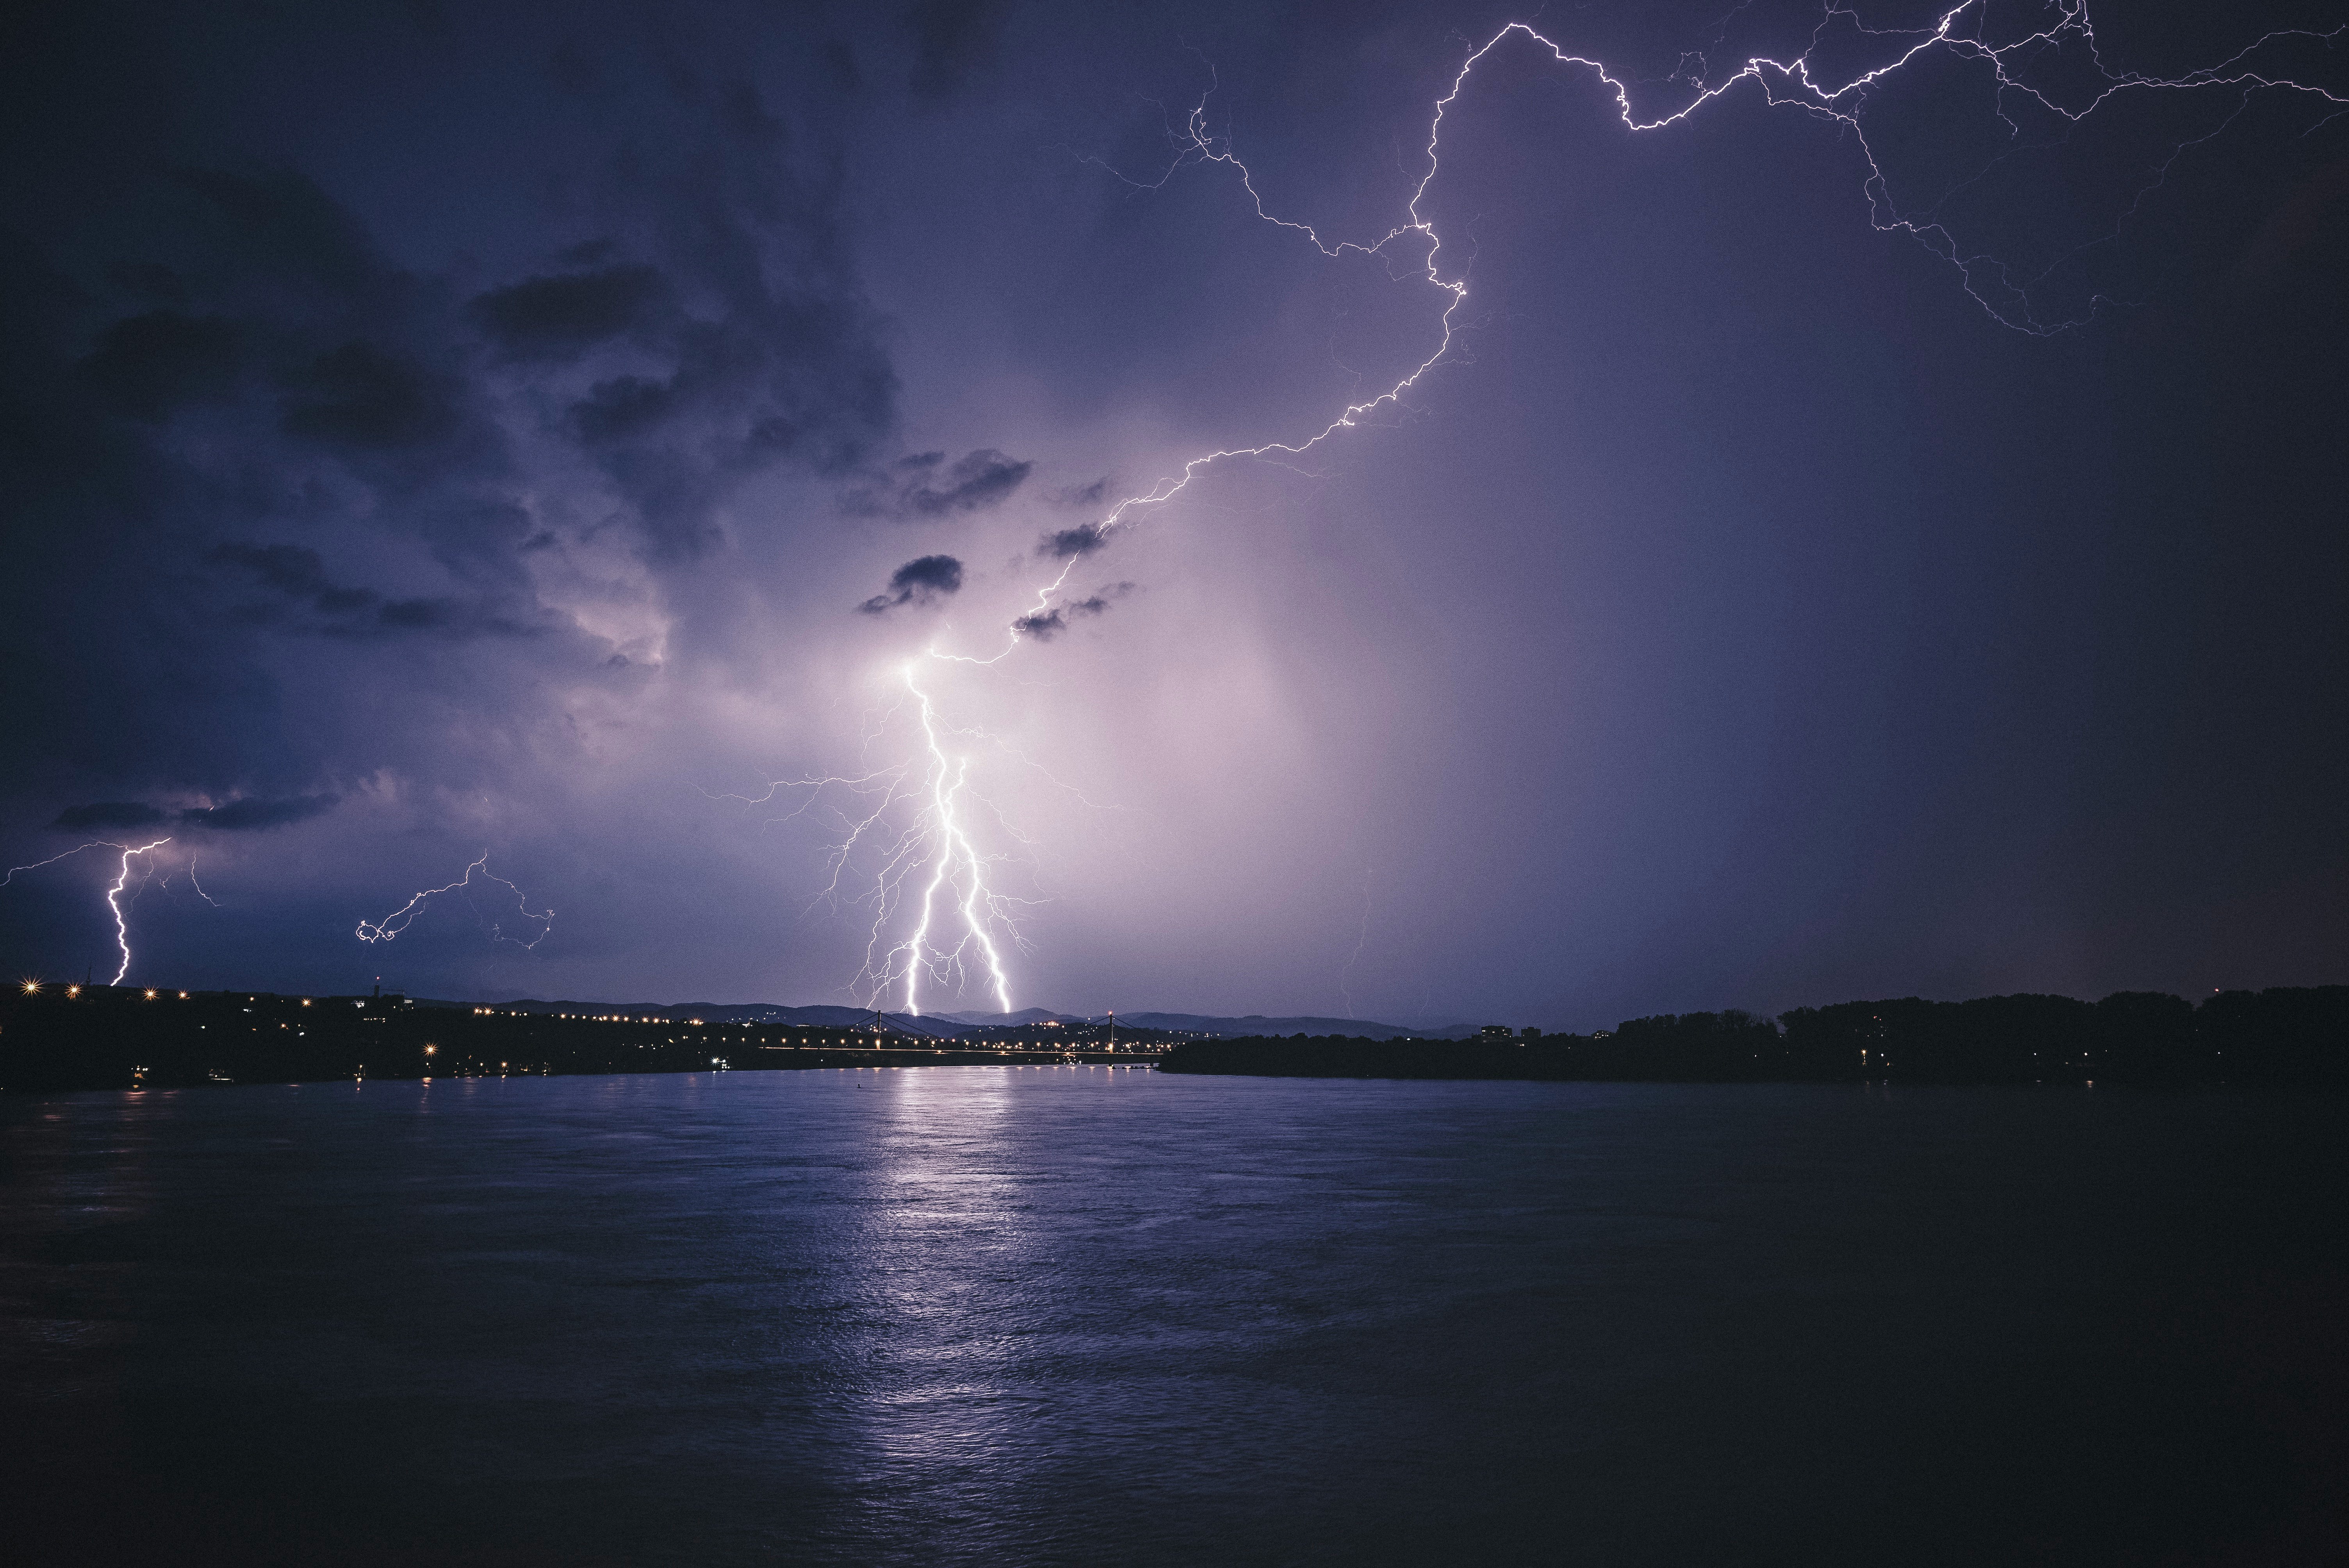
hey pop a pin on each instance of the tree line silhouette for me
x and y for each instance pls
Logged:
(104, 1037)
(2296, 1036)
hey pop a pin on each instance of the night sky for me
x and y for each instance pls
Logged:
(428, 429)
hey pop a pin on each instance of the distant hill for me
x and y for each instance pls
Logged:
(954, 1025)
(1257, 1023)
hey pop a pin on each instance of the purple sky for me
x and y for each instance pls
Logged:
(426, 434)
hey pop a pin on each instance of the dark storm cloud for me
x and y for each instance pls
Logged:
(453, 620)
(1044, 627)
(953, 39)
(1068, 543)
(151, 280)
(622, 408)
(927, 485)
(336, 404)
(283, 226)
(300, 575)
(757, 364)
(167, 586)
(255, 815)
(357, 395)
(100, 814)
(148, 365)
(919, 581)
(561, 317)
(840, 67)
(744, 114)
(294, 571)
(981, 480)
(236, 817)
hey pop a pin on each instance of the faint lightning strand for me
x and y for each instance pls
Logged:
(197, 886)
(52, 860)
(392, 925)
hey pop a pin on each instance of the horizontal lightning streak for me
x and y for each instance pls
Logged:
(52, 860)
(392, 925)
(1787, 84)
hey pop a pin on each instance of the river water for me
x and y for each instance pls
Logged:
(1089, 1315)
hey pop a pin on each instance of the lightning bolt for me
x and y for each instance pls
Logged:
(954, 860)
(938, 839)
(114, 903)
(113, 894)
(398, 920)
(1787, 84)
(905, 833)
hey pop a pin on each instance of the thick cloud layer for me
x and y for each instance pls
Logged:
(430, 432)
(236, 816)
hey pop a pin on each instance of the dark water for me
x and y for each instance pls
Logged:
(1089, 1315)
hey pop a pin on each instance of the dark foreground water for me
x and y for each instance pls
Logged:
(1090, 1315)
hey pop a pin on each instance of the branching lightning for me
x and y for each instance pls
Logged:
(2060, 43)
(906, 831)
(1787, 84)
(392, 925)
(114, 903)
(956, 867)
(114, 893)
(52, 860)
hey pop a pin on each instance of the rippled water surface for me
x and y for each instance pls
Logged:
(1092, 1316)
